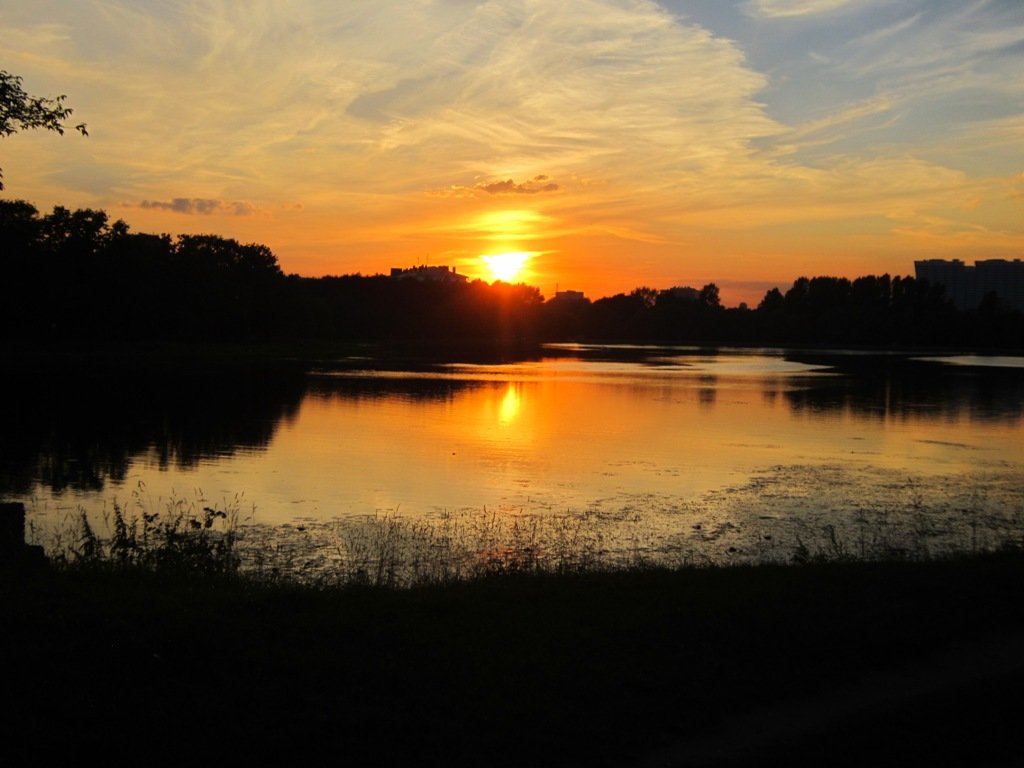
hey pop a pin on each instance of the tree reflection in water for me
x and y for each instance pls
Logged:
(77, 430)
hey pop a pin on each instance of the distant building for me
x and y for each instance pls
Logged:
(967, 286)
(428, 274)
(570, 297)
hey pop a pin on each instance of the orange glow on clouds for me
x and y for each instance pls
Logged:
(584, 134)
(519, 224)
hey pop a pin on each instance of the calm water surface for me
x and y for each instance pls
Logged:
(685, 446)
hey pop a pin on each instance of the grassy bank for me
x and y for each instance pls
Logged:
(843, 663)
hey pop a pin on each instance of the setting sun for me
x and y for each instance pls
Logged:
(507, 266)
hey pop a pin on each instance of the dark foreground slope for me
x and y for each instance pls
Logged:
(836, 664)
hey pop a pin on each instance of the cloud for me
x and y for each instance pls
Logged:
(966, 45)
(537, 185)
(788, 8)
(645, 125)
(199, 206)
(832, 126)
(886, 32)
(531, 187)
(360, 105)
(923, 79)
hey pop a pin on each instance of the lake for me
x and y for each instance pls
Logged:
(626, 453)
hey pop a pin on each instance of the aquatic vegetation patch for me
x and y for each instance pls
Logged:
(387, 549)
(782, 515)
(187, 536)
(793, 514)
(832, 512)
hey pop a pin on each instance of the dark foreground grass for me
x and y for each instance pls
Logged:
(834, 664)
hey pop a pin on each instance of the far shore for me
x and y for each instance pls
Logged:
(117, 354)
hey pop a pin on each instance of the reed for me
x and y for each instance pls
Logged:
(390, 550)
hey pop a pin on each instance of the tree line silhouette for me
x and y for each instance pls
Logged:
(77, 276)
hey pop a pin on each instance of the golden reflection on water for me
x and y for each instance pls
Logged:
(511, 403)
(570, 436)
(568, 441)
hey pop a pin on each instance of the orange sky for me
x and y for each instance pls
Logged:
(618, 143)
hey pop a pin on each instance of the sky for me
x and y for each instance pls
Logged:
(612, 143)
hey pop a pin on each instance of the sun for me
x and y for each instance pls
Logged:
(507, 266)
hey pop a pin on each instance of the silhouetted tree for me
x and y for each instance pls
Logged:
(20, 112)
(872, 291)
(19, 232)
(709, 296)
(796, 297)
(620, 317)
(76, 234)
(648, 296)
(772, 301)
(74, 275)
(565, 318)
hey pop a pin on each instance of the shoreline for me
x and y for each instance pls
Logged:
(42, 356)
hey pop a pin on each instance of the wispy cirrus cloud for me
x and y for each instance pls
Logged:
(790, 8)
(423, 127)
(967, 43)
(830, 126)
(359, 101)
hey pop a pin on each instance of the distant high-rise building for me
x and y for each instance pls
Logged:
(967, 285)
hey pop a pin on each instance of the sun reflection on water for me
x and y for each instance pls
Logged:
(511, 404)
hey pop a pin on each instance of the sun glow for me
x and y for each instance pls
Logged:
(500, 225)
(507, 266)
